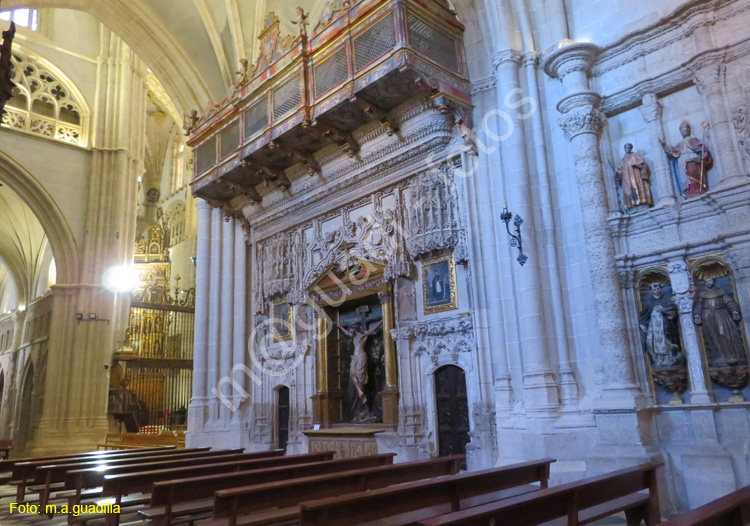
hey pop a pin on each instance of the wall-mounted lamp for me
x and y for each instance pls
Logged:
(515, 239)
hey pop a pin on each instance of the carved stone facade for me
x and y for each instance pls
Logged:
(560, 356)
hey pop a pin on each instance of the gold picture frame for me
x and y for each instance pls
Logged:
(283, 324)
(439, 291)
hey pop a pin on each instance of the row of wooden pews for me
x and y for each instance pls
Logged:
(164, 486)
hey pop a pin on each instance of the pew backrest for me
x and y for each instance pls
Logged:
(49, 472)
(730, 510)
(93, 477)
(142, 481)
(443, 492)
(196, 487)
(239, 501)
(619, 489)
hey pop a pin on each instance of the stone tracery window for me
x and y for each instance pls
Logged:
(43, 104)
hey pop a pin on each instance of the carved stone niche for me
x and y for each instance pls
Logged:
(718, 318)
(435, 221)
(659, 329)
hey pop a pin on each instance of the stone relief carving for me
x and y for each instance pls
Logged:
(435, 221)
(451, 336)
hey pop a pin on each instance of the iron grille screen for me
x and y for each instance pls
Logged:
(432, 43)
(374, 42)
(230, 140)
(206, 155)
(330, 72)
(161, 377)
(256, 118)
(286, 97)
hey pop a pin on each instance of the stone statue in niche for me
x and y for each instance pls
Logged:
(717, 314)
(691, 161)
(658, 322)
(634, 176)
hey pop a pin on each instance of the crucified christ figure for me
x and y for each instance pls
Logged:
(358, 367)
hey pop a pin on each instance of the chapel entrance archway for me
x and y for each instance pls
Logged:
(452, 410)
(282, 417)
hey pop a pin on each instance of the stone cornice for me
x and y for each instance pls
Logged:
(679, 77)
(675, 27)
(569, 57)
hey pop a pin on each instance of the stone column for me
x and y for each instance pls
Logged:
(652, 110)
(540, 388)
(390, 393)
(240, 312)
(215, 314)
(227, 310)
(679, 278)
(710, 80)
(200, 346)
(320, 398)
(78, 416)
(582, 122)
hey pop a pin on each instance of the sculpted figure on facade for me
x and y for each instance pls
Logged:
(719, 316)
(659, 325)
(691, 161)
(301, 22)
(634, 177)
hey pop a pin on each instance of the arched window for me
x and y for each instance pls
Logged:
(44, 103)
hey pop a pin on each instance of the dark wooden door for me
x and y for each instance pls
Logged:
(452, 410)
(282, 417)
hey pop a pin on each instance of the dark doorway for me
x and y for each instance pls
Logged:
(452, 411)
(282, 415)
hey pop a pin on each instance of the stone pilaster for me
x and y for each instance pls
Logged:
(540, 389)
(679, 278)
(710, 80)
(74, 415)
(582, 122)
(197, 411)
(652, 110)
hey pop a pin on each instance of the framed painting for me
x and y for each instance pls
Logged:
(439, 292)
(282, 322)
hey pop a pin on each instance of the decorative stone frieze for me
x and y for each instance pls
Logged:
(447, 336)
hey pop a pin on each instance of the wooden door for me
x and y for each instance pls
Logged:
(282, 417)
(452, 410)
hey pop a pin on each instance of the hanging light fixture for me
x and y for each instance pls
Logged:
(6, 84)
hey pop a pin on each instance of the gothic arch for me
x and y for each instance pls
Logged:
(47, 212)
(139, 28)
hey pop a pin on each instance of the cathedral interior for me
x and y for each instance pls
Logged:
(476, 232)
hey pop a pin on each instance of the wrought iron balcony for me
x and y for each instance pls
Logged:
(362, 60)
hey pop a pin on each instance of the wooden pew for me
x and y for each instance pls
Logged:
(279, 501)
(408, 503)
(23, 469)
(116, 486)
(79, 480)
(577, 503)
(729, 510)
(138, 440)
(196, 493)
(52, 476)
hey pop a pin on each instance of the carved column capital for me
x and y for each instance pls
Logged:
(385, 297)
(709, 78)
(651, 110)
(530, 59)
(581, 121)
(570, 57)
(504, 57)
